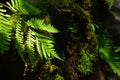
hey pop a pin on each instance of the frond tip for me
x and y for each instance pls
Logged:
(39, 24)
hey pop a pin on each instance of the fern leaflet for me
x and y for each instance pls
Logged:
(5, 30)
(19, 39)
(39, 24)
(45, 47)
(30, 46)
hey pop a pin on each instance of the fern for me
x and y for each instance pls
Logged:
(109, 3)
(28, 36)
(39, 24)
(44, 44)
(105, 47)
(30, 46)
(23, 6)
(19, 38)
(5, 30)
(45, 47)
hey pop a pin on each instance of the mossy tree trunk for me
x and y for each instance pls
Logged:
(76, 37)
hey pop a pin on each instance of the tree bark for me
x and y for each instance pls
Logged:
(71, 64)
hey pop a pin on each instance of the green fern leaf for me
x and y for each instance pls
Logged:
(39, 24)
(39, 49)
(42, 45)
(46, 46)
(105, 50)
(19, 39)
(44, 50)
(24, 7)
(115, 66)
(5, 29)
(105, 54)
(30, 46)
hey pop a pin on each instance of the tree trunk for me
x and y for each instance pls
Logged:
(71, 64)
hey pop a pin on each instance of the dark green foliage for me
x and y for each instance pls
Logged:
(30, 36)
(106, 51)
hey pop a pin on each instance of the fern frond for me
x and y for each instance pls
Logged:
(39, 24)
(30, 46)
(24, 7)
(105, 50)
(39, 49)
(19, 39)
(5, 29)
(44, 44)
(45, 47)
